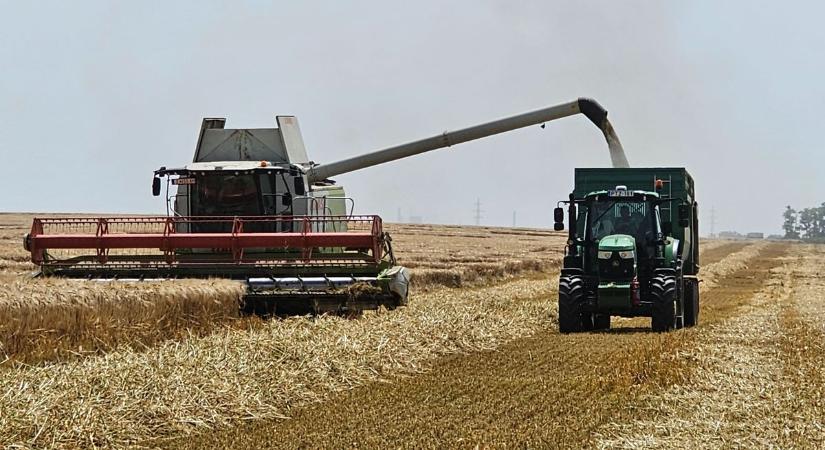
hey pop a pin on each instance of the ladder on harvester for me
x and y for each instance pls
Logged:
(665, 192)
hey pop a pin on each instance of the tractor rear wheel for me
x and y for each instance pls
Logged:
(571, 293)
(691, 302)
(663, 292)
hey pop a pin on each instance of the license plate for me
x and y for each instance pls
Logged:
(189, 180)
(619, 193)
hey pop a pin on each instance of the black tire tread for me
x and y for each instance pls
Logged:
(663, 292)
(571, 291)
(691, 303)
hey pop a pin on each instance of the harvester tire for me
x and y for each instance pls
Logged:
(601, 322)
(571, 292)
(398, 301)
(691, 302)
(663, 293)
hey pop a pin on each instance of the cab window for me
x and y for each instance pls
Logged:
(226, 195)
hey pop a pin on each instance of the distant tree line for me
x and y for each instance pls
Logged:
(807, 224)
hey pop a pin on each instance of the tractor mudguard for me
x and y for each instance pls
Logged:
(672, 251)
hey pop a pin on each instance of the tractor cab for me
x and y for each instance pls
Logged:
(620, 224)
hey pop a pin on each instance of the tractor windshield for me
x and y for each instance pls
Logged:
(634, 218)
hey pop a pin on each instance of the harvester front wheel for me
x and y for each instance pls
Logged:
(691, 302)
(571, 292)
(663, 292)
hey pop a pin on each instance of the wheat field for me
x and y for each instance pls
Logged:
(58, 319)
(474, 360)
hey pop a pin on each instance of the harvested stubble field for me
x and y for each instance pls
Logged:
(475, 359)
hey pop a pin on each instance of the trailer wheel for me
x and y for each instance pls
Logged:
(571, 292)
(691, 302)
(663, 291)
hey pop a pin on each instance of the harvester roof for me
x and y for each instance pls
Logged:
(239, 165)
(229, 166)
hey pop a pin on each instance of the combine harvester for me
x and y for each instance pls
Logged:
(252, 206)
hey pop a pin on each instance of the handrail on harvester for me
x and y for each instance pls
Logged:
(174, 234)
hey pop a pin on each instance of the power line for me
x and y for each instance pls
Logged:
(712, 221)
(477, 215)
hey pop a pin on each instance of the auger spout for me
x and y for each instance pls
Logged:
(590, 108)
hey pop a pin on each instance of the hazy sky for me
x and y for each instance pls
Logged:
(96, 95)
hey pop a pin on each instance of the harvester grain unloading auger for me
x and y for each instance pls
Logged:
(253, 207)
(590, 108)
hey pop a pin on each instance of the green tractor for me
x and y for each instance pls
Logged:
(633, 249)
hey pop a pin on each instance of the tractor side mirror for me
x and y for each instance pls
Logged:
(287, 199)
(155, 186)
(558, 215)
(558, 218)
(684, 215)
(667, 228)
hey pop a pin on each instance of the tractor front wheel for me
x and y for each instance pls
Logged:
(571, 293)
(663, 292)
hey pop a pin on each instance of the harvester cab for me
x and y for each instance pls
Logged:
(234, 188)
(252, 206)
(625, 255)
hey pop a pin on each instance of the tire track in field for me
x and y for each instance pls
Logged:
(759, 380)
(541, 391)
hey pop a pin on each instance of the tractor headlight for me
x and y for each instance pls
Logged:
(605, 255)
(626, 254)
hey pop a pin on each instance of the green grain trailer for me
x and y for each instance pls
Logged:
(633, 249)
